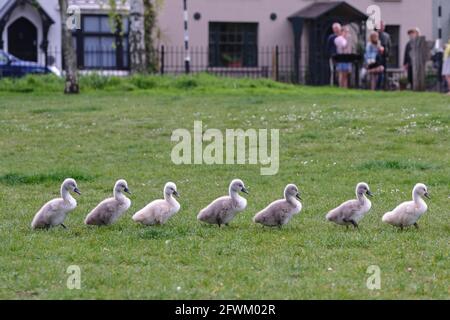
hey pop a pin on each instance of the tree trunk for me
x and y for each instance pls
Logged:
(70, 60)
(138, 62)
(149, 25)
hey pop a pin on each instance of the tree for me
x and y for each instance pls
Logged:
(70, 60)
(138, 61)
(149, 25)
(144, 57)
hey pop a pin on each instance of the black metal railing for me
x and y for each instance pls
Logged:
(271, 62)
(276, 62)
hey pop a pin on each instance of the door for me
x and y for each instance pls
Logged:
(394, 32)
(22, 40)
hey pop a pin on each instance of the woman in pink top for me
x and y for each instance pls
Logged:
(343, 47)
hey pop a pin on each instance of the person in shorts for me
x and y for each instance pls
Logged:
(343, 69)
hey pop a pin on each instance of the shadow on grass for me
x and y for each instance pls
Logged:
(57, 176)
(164, 233)
(396, 165)
(64, 110)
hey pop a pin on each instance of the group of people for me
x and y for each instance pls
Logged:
(375, 55)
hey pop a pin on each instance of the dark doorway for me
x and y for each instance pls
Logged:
(394, 32)
(317, 19)
(22, 40)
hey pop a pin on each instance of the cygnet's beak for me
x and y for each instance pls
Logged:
(426, 194)
(298, 196)
(370, 194)
(244, 190)
(127, 190)
(77, 191)
(176, 194)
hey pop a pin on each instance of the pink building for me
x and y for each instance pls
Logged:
(234, 26)
(272, 24)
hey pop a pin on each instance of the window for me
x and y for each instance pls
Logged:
(394, 32)
(3, 58)
(99, 46)
(233, 44)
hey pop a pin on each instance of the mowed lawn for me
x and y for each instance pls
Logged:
(330, 139)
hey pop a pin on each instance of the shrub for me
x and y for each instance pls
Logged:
(143, 82)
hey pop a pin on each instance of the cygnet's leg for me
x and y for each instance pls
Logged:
(62, 225)
(353, 222)
(416, 225)
(279, 222)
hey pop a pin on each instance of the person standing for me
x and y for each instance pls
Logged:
(446, 65)
(343, 47)
(331, 48)
(385, 42)
(407, 62)
(372, 59)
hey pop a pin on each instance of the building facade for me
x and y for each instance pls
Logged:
(31, 30)
(227, 32)
(27, 30)
(270, 19)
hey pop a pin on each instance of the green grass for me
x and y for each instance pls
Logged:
(330, 139)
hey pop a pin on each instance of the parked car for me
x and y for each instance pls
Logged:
(11, 66)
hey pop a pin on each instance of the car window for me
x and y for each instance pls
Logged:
(3, 58)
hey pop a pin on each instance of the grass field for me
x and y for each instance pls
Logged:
(330, 139)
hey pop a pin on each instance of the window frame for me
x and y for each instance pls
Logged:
(249, 48)
(122, 56)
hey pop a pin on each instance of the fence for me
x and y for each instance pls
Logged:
(266, 62)
(262, 62)
(275, 62)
